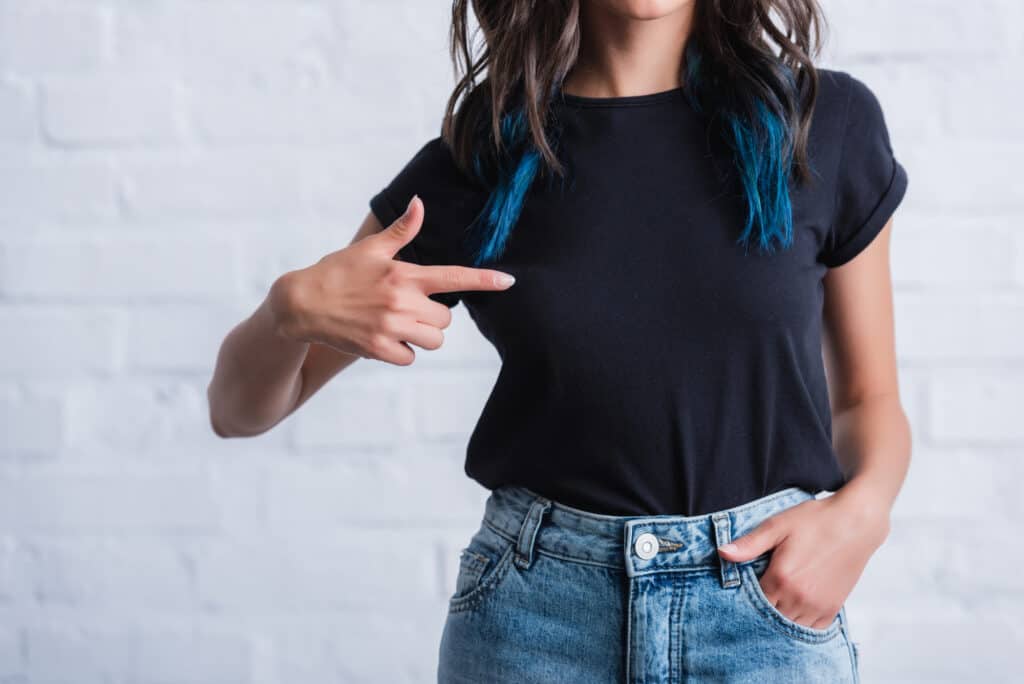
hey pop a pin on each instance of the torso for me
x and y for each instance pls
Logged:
(649, 365)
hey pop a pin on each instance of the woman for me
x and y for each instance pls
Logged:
(697, 221)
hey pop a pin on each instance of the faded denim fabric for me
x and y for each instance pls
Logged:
(549, 593)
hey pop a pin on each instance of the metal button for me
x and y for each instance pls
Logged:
(646, 546)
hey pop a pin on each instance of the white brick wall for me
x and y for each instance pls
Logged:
(161, 162)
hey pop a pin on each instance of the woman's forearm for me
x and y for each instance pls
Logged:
(357, 302)
(257, 378)
(873, 441)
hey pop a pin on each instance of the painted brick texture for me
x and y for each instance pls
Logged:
(162, 161)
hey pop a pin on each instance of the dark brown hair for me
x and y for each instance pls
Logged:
(749, 68)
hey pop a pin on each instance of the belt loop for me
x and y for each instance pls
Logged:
(528, 532)
(723, 535)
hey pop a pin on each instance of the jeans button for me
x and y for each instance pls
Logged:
(646, 546)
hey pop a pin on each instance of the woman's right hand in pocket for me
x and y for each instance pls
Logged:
(363, 301)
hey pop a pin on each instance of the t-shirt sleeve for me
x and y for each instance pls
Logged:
(450, 202)
(871, 183)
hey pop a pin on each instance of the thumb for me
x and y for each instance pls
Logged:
(402, 231)
(752, 544)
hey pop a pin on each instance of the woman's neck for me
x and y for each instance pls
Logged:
(624, 55)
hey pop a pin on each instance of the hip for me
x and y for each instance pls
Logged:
(547, 592)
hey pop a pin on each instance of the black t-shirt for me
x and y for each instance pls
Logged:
(649, 365)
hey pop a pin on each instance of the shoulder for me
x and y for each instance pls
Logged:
(841, 86)
(847, 113)
(441, 153)
(451, 200)
(851, 144)
(845, 98)
(436, 157)
(433, 173)
(436, 151)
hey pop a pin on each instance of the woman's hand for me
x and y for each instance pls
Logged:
(820, 549)
(363, 301)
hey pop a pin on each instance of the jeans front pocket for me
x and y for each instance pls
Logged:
(752, 572)
(482, 565)
(471, 569)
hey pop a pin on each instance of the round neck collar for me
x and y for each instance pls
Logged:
(677, 93)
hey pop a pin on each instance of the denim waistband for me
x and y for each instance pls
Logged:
(639, 545)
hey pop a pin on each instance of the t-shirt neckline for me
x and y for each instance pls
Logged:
(662, 96)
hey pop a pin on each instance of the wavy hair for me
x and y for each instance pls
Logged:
(748, 70)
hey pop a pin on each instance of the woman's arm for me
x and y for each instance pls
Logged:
(833, 538)
(261, 375)
(870, 429)
(357, 302)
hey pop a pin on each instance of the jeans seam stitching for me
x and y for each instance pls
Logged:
(779, 622)
(484, 589)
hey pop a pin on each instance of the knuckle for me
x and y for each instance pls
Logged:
(452, 277)
(398, 274)
(782, 579)
(398, 354)
(486, 279)
(400, 224)
(394, 272)
(437, 341)
(381, 321)
(390, 324)
(392, 299)
(377, 344)
(796, 592)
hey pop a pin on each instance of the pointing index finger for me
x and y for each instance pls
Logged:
(462, 278)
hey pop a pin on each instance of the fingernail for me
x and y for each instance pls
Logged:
(409, 206)
(504, 279)
(728, 548)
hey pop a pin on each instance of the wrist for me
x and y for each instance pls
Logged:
(866, 503)
(282, 307)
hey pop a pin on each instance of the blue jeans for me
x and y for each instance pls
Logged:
(549, 593)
